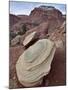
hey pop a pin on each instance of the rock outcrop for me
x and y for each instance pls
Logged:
(47, 23)
(40, 30)
(59, 35)
(13, 20)
(29, 38)
(39, 15)
(46, 12)
(35, 63)
(50, 14)
(16, 40)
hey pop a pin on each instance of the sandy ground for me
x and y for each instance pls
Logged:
(56, 77)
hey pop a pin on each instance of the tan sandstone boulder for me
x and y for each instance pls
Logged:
(16, 40)
(29, 38)
(35, 63)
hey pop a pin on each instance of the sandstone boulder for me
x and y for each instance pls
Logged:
(16, 40)
(35, 63)
(29, 38)
(40, 30)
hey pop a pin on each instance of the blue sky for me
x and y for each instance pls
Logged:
(20, 7)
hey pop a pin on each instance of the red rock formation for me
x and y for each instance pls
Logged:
(44, 14)
(53, 16)
(48, 24)
(39, 15)
(41, 32)
(59, 36)
(13, 19)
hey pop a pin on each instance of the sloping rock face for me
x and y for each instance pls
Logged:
(47, 13)
(59, 36)
(16, 40)
(35, 63)
(16, 27)
(29, 38)
(13, 19)
(40, 30)
(24, 18)
(50, 14)
(39, 15)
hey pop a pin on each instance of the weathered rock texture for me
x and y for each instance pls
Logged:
(13, 19)
(35, 62)
(39, 15)
(49, 23)
(16, 40)
(29, 38)
(43, 14)
(40, 30)
(59, 35)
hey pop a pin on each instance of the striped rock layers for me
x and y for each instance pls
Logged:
(35, 63)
